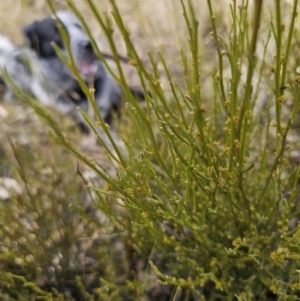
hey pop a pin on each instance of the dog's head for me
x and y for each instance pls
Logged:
(41, 35)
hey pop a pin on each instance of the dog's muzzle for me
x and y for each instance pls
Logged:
(88, 69)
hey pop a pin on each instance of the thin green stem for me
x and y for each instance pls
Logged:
(277, 71)
(276, 162)
(244, 118)
(288, 43)
(220, 54)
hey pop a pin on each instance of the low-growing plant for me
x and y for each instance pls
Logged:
(203, 204)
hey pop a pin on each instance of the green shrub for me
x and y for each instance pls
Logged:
(205, 197)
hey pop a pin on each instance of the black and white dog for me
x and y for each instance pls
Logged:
(38, 70)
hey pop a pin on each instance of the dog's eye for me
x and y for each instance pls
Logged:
(56, 34)
(56, 28)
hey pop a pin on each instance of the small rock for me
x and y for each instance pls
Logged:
(8, 185)
(3, 112)
(295, 156)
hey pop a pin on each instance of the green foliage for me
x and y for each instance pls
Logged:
(205, 197)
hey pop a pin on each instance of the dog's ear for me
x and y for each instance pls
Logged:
(30, 32)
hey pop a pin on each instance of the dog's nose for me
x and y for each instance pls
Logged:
(87, 45)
